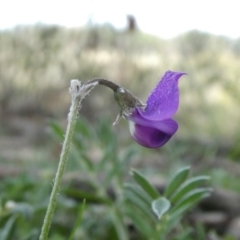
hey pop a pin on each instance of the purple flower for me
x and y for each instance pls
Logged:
(153, 126)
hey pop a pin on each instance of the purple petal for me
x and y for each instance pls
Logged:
(147, 136)
(151, 134)
(163, 102)
(169, 126)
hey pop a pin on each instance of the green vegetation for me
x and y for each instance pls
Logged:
(110, 201)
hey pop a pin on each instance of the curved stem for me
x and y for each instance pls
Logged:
(105, 82)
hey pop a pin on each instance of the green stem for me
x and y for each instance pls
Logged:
(78, 93)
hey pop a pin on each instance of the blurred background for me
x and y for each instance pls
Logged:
(45, 44)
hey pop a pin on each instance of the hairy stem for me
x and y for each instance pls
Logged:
(78, 93)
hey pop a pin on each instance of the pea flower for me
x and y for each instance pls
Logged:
(151, 125)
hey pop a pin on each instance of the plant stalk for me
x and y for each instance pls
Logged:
(78, 93)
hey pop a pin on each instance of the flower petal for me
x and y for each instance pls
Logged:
(163, 102)
(151, 134)
(147, 136)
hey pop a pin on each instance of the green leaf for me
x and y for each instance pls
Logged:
(79, 219)
(3, 201)
(135, 200)
(139, 192)
(160, 206)
(175, 213)
(90, 197)
(193, 196)
(7, 230)
(186, 187)
(82, 158)
(177, 180)
(57, 130)
(145, 185)
(106, 158)
(84, 129)
(79, 142)
(117, 219)
(114, 172)
(144, 227)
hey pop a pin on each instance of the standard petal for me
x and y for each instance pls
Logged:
(151, 134)
(163, 102)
